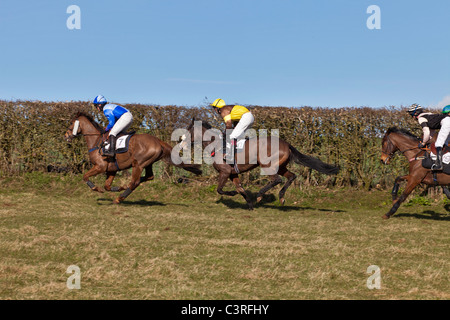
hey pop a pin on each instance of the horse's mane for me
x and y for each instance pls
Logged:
(205, 124)
(402, 131)
(90, 118)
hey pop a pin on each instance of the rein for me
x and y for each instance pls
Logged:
(403, 152)
(75, 133)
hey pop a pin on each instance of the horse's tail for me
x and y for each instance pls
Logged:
(311, 162)
(167, 151)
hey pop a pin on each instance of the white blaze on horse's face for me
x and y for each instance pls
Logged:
(183, 142)
(76, 126)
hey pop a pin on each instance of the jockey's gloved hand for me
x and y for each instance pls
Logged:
(421, 145)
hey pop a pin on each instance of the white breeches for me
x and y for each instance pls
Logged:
(246, 122)
(122, 124)
(443, 133)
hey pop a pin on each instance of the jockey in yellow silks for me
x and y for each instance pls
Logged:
(235, 116)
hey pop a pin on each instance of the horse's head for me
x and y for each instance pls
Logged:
(388, 148)
(82, 124)
(394, 140)
(195, 132)
(73, 130)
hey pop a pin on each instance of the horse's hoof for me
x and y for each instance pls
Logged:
(117, 201)
(282, 201)
(385, 216)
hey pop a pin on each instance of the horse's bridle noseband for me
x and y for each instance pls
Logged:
(75, 131)
(389, 156)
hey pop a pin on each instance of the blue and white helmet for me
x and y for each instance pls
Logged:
(99, 101)
(415, 110)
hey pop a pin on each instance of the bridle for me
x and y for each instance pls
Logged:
(75, 133)
(390, 155)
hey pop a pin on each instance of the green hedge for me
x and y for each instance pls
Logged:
(31, 136)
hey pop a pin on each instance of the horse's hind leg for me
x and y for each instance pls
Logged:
(290, 178)
(148, 174)
(275, 180)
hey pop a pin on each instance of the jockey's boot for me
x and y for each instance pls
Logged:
(111, 152)
(225, 150)
(437, 166)
(230, 155)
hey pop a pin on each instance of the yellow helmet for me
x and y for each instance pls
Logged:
(218, 103)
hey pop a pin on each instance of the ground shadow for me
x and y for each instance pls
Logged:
(269, 201)
(426, 215)
(143, 203)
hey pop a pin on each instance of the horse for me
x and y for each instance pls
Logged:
(143, 151)
(284, 154)
(396, 139)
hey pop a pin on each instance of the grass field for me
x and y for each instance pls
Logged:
(184, 241)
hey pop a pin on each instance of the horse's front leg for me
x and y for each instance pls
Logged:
(446, 191)
(411, 185)
(109, 180)
(93, 172)
(135, 181)
(223, 177)
(241, 190)
(397, 185)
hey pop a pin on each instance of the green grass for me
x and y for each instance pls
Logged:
(184, 241)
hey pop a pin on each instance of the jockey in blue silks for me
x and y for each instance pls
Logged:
(119, 120)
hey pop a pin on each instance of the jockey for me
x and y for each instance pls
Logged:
(234, 114)
(119, 120)
(433, 121)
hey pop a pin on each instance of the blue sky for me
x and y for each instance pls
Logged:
(256, 52)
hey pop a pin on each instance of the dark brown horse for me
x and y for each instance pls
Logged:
(143, 151)
(251, 159)
(401, 140)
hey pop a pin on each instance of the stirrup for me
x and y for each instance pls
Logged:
(436, 167)
(109, 155)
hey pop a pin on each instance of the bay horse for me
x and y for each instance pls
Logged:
(143, 151)
(396, 139)
(283, 155)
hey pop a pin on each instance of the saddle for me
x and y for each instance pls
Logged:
(122, 143)
(445, 150)
(239, 147)
(430, 157)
